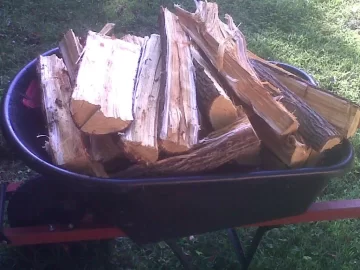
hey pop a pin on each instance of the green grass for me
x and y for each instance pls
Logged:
(320, 36)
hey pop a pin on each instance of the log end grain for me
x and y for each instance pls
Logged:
(90, 119)
(222, 112)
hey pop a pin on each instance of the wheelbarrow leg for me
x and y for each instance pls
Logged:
(186, 263)
(245, 260)
(239, 250)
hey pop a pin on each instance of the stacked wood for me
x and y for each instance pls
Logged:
(318, 133)
(338, 111)
(218, 148)
(209, 33)
(102, 99)
(179, 122)
(185, 101)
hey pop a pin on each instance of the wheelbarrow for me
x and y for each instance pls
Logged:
(63, 206)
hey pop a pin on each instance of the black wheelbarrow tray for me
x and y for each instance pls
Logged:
(155, 209)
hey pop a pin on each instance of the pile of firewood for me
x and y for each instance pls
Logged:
(189, 99)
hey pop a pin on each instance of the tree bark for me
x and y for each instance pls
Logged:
(221, 146)
(317, 133)
(338, 111)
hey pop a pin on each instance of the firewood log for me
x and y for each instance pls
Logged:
(134, 39)
(140, 140)
(219, 147)
(338, 111)
(108, 29)
(101, 148)
(102, 99)
(317, 133)
(212, 99)
(179, 124)
(215, 39)
(289, 149)
(70, 49)
(65, 145)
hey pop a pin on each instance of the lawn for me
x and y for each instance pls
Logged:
(320, 36)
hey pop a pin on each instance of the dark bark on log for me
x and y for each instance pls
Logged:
(220, 147)
(317, 133)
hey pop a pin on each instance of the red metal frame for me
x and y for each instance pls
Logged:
(319, 211)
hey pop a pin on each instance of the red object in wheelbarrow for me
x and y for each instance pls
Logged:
(155, 209)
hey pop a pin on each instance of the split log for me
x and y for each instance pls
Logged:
(108, 29)
(70, 49)
(220, 147)
(134, 39)
(338, 111)
(212, 99)
(140, 139)
(103, 97)
(179, 123)
(290, 149)
(317, 133)
(101, 148)
(66, 146)
(215, 39)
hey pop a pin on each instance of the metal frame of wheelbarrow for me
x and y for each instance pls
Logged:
(54, 233)
(91, 230)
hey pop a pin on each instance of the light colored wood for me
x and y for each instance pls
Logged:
(340, 112)
(218, 148)
(101, 148)
(290, 149)
(140, 140)
(229, 56)
(316, 132)
(108, 29)
(70, 49)
(103, 97)
(134, 39)
(65, 145)
(179, 122)
(212, 99)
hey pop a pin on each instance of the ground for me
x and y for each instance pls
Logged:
(322, 37)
